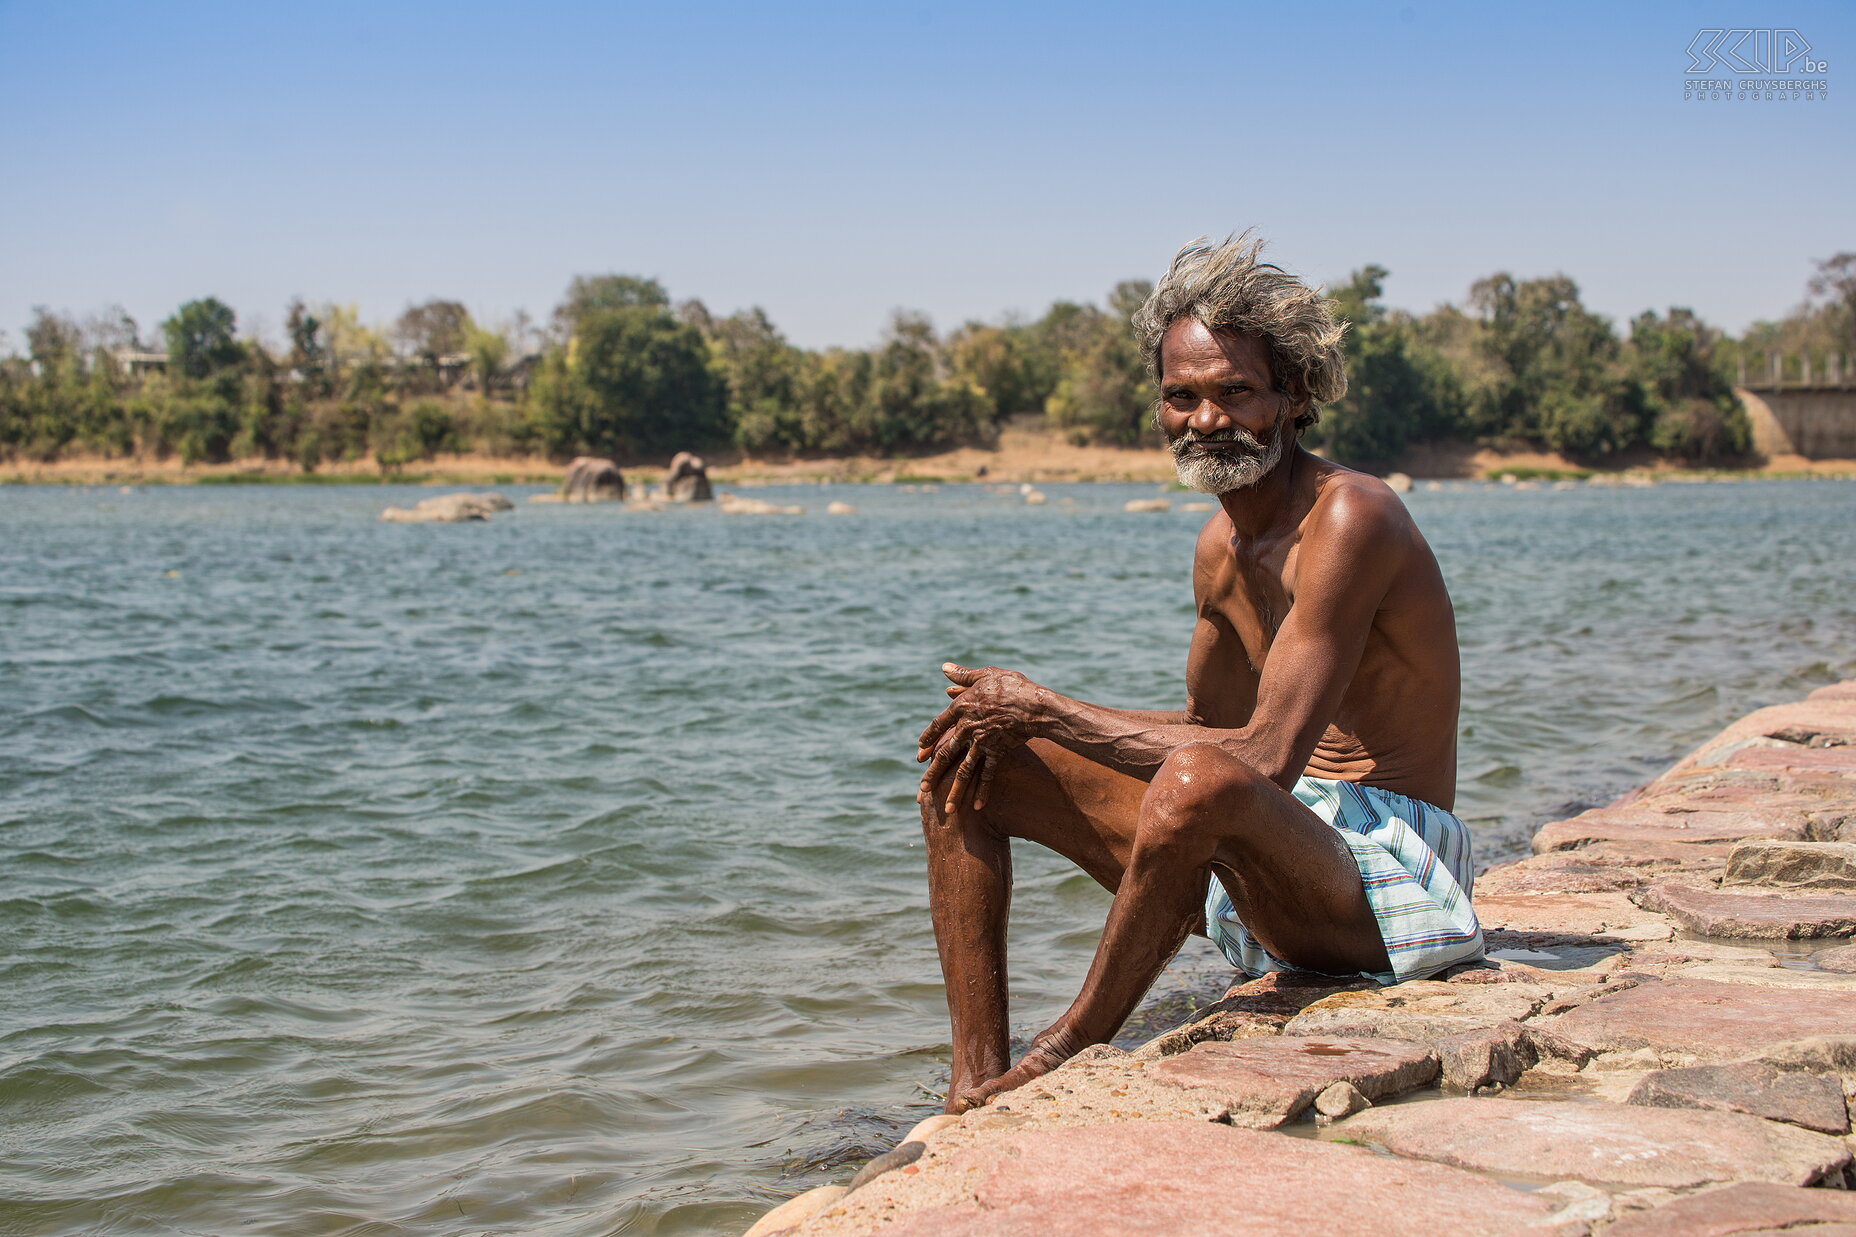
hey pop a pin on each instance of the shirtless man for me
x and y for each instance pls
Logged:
(1296, 811)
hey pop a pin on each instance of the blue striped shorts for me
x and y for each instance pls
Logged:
(1414, 860)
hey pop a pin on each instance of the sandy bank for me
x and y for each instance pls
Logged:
(1670, 989)
(1020, 455)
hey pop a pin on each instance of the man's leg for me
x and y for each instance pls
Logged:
(1292, 879)
(1043, 794)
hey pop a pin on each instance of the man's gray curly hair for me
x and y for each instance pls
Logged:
(1225, 287)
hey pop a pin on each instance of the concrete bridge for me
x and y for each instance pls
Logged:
(1794, 410)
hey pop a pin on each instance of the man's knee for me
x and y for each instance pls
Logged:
(941, 827)
(1197, 798)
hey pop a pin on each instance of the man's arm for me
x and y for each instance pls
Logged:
(1355, 548)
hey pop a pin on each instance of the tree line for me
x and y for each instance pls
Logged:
(621, 370)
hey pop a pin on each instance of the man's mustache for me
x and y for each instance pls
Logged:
(1233, 437)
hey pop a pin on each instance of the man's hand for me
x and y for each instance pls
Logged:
(991, 710)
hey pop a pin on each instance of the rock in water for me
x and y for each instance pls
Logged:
(448, 509)
(1400, 482)
(592, 480)
(734, 504)
(1147, 504)
(688, 479)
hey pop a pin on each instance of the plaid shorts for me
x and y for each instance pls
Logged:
(1415, 863)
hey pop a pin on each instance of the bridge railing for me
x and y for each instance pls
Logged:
(1783, 372)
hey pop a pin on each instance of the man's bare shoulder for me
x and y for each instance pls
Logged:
(1211, 554)
(1356, 511)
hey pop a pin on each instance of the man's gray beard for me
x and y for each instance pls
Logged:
(1219, 472)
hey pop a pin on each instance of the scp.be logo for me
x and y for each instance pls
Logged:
(1752, 51)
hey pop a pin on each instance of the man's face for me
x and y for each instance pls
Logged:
(1223, 418)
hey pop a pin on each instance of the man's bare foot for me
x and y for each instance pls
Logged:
(1051, 1048)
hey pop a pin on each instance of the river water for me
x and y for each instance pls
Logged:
(561, 875)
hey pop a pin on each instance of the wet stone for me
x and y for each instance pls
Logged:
(1814, 736)
(1790, 758)
(1793, 865)
(1809, 1101)
(796, 1210)
(905, 1154)
(1286, 993)
(1820, 1054)
(1746, 1209)
(1557, 953)
(1602, 1144)
(1703, 784)
(1770, 975)
(1645, 824)
(1422, 1010)
(1267, 1082)
(1740, 913)
(1258, 1007)
(1559, 872)
(1841, 960)
(1478, 1060)
(1705, 1021)
(1166, 1178)
(1203, 1027)
(1610, 914)
(1343, 1099)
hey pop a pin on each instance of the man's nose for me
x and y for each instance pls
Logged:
(1209, 417)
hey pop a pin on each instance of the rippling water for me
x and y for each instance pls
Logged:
(561, 875)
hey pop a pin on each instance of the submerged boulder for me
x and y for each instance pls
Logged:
(734, 504)
(590, 479)
(448, 509)
(688, 479)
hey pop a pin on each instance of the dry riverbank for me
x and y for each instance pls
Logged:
(1662, 1043)
(1019, 455)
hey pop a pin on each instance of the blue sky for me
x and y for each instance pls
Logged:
(833, 162)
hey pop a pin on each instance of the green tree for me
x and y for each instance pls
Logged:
(200, 339)
(1834, 284)
(437, 328)
(834, 386)
(589, 294)
(1558, 379)
(631, 380)
(489, 353)
(992, 359)
(53, 341)
(1399, 389)
(309, 354)
(907, 404)
(1102, 391)
(762, 373)
(1695, 414)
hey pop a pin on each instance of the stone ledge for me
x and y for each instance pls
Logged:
(1734, 1061)
(1601, 1144)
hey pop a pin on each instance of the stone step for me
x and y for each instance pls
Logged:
(1753, 1208)
(1168, 1178)
(1742, 912)
(1601, 1144)
(1709, 1021)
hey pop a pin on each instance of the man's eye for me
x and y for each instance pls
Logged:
(1237, 390)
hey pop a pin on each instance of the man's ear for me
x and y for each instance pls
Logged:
(1295, 391)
